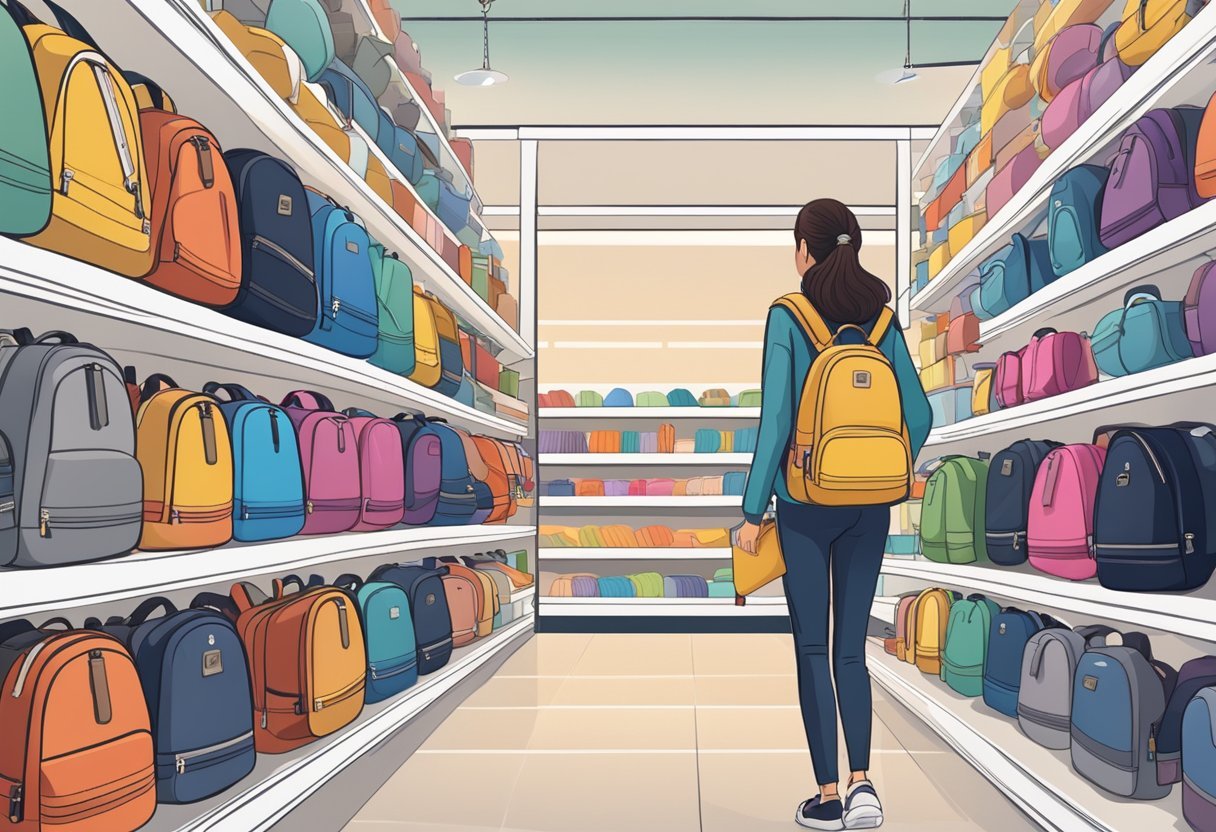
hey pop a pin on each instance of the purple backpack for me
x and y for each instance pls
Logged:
(563, 442)
(1077, 101)
(1152, 175)
(422, 453)
(616, 488)
(585, 586)
(1199, 310)
(381, 471)
(1193, 677)
(329, 452)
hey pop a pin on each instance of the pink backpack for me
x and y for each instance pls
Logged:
(1060, 528)
(1056, 362)
(660, 488)
(1008, 379)
(637, 488)
(381, 471)
(329, 453)
(1010, 179)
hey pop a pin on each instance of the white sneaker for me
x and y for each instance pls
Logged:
(861, 807)
(819, 814)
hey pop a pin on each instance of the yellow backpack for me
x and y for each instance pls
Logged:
(183, 447)
(850, 445)
(927, 635)
(427, 369)
(100, 205)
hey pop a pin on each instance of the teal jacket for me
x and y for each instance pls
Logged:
(788, 354)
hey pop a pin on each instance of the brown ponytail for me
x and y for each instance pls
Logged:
(837, 285)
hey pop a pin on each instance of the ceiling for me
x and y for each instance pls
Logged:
(650, 69)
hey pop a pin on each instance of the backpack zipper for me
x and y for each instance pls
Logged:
(131, 182)
(274, 429)
(182, 760)
(207, 422)
(270, 245)
(44, 522)
(19, 686)
(1189, 542)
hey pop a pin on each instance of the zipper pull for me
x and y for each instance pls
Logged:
(318, 704)
(274, 429)
(65, 179)
(245, 513)
(181, 765)
(335, 306)
(308, 506)
(265, 718)
(206, 172)
(175, 516)
(16, 800)
(44, 522)
(1189, 537)
(1152, 744)
(1016, 535)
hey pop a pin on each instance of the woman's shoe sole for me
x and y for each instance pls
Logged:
(822, 825)
(863, 817)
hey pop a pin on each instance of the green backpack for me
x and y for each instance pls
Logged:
(304, 26)
(508, 382)
(647, 584)
(589, 398)
(748, 398)
(966, 651)
(481, 275)
(395, 300)
(25, 165)
(650, 399)
(952, 514)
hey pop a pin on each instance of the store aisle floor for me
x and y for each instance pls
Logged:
(642, 733)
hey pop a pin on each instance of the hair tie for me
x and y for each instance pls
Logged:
(843, 240)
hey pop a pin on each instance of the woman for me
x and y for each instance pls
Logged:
(836, 545)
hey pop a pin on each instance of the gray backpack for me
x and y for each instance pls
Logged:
(1119, 697)
(1045, 696)
(67, 429)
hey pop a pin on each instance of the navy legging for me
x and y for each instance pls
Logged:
(846, 543)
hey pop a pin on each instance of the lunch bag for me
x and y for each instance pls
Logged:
(1145, 333)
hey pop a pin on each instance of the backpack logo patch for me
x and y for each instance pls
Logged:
(394, 613)
(284, 205)
(430, 599)
(352, 246)
(1090, 682)
(1007, 468)
(213, 663)
(1125, 478)
(861, 379)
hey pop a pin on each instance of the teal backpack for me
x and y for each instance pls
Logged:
(589, 398)
(707, 441)
(25, 165)
(966, 650)
(395, 298)
(651, 399)
(388, 632)
(303, 25)
(681, 398)
(631, 442)
(952, 513)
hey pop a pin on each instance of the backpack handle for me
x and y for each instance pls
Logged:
(411, 416)
(1094, 632)
(358, 412)
(9, 629)
(1138, 293)
(1107, 37)
(236, 392)
(1140, 643)
(348, 580)
(308, 400)
(222, 604)
(67, 625)
(1043, 333)
(155, 91)
(154, 384)
(246, 596)
(24, 337)
(149, 606)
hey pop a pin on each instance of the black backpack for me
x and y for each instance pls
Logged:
(1011, 476)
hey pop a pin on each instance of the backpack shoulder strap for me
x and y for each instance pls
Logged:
(808, 318)
(886, 318)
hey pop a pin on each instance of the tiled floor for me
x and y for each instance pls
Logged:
(659, 733)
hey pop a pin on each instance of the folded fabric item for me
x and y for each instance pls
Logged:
(589, 537)
(585, 586)
(631, 442)
(734, 483)
(618, 397)
(616, 488)
(619, 537)
(649, 443)
(637, 488)
(563, 442)
(616, 587)
(559, 488)
(604, 442)
(589, 398)
(710, 538)
(558, 537)
(560, 398)
(667, 438)
(659, 488)
(685, 586)
(748, 398)
(684, 446)
(745, 440)
(681, 398)
(723, 583)
(707, 441)
(647, 584)
(716, 397)
(651, 398)
(589, 488)
(727, 443)
(659, 537)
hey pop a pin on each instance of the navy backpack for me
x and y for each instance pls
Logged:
(268, 480)
(1156, 508)
(423, 449)
(1011, 475)
(195, 680)
(349, 320)
(428, 607)
(1073, 216)
(459, 498)
(1011, 631)
(278, 288)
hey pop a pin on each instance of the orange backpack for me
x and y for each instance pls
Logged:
(655, 537)
(183, 447)
(194, 209)
(77, 751)
(466, 597)
(307, 659)
(604, 442)
(488, 602)
(506, 477)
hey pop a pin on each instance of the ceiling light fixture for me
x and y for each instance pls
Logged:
(908, 73)
(485, 76)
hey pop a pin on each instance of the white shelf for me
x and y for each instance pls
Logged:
(1176, 74)
(604, 553)
(1159, 396)
(33, 591)
(664, 607)
(606, 413)
(641, 502)
(281, 782)
(212, 81)
(1041, 782)
(44, 290)
(646, 459)
(1078, 299)
(1192, 615)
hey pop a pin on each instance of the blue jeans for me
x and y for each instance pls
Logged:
(845, 544)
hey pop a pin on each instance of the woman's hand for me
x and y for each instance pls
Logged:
(749, 535)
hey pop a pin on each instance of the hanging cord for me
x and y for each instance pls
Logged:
(908, 36)
(485, 29)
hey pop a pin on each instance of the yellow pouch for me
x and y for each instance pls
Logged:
(768, 564)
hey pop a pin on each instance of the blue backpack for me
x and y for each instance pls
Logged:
(1146, 332)
(967, 140)
(618, 397)
(1011, 475)
(352, 98)
(268, 482)
(388, 631)
(1199, 759)
(734, 482)
(436, 189)
(1011, 275)
(616, 587)
(1011, 631)
(1154, 509)
(922, 275)
(746, 439)
(195, 680)
(681, 398)
(1193, 677)
(278, 287)
(707, 441)
(1073, 217)
(428, 608)
(405, 155)
(459, 500)
(348, 318)
(966, 651)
